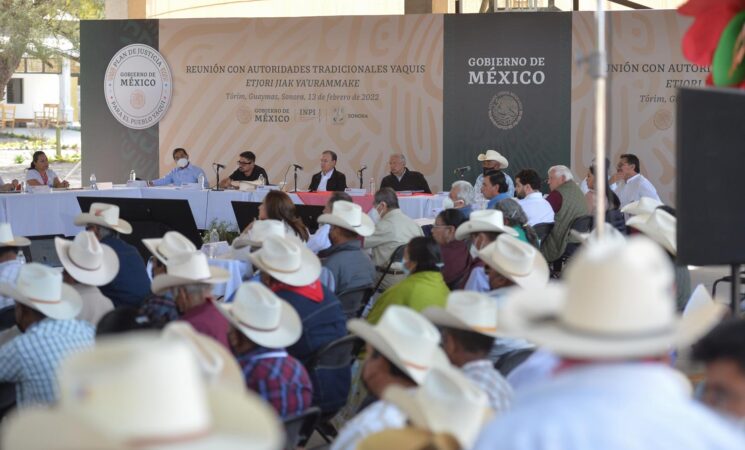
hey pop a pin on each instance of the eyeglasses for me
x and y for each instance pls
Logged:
(243, 163)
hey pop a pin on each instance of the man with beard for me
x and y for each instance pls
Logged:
(528, 191)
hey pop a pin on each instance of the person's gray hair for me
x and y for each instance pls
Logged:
(388, 196)
(465, 191)
(562, 171)
(401, 156)
(512, 211)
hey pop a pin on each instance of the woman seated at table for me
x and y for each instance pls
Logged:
(455, 255)
(39, 174)
(423, 287)
(278, 206)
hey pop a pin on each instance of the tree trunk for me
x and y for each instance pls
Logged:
(8, 63)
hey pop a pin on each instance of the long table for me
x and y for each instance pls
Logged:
(54, 212)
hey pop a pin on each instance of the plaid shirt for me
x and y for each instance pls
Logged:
(9, 274)
(279, 379)
(160, 310)
(31, 359)
(483, 374)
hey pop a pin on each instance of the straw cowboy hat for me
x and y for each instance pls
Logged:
(140, 392)
(405, 338)
(617, 302)
(409, 439)
(493, 155)
(259, 232)
(217, 364)
(642, 207)
(87, 260)
(446, 402)
(104, 215)
(517, 261)
(287, 260)
(660, 226)
(8, 240)
(466, 310)
(188, 268)
(349, 216)
(485, 220)
(40, 287)
(172, 243)
(262, 317)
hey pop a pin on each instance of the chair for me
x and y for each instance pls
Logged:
(48, 116)
(396, 256)
(353, 301)
(543, 230)
(299, 428)
(582, 224)
(7, 116)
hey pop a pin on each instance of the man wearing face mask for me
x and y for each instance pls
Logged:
(490, 161)
(461, 197)
(183, 173)
(393, 228)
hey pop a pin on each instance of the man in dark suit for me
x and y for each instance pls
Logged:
(328, 179)
(403, 179)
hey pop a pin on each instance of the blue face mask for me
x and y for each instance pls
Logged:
(405, 268)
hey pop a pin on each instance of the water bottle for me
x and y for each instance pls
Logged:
(214, 239)
(93, 185)
(21, 258)
(200, 181)
(372, 186)
(132, 175)
(23, 186)
(262, 181)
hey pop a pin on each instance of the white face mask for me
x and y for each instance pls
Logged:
(447, 203)
(182, 162)
(473, 251)
(374, 215)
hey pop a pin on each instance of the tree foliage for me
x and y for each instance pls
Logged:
(42, 29)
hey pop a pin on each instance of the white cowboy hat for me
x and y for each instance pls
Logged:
(8, 240)
(642, 207)
(143, 392)
(466, 310)
(40, 287)
(486, 220)
(517, 261)
(617, 303)
(87, 260)
(609, 232)
(172, 243)
(493, 155)
(262, 317)
(405, 338)
(287, 260)
(217, 364)
(188, 268)
(349, 216)
(660, 226)
(104, 215)
(259, 232)
(445, 402)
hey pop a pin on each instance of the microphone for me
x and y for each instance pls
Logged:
(297, 166)
(218, 165)
(362, 168)
(461, 170)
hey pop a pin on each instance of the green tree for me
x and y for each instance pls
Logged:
(42, 29)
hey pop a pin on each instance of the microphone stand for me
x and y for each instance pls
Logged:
(295, 177)
(362, 181)
(217, 175)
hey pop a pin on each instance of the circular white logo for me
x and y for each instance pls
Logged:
(138, 86)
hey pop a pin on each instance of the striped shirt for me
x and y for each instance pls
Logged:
(483, 374)
(31, 359)
(8, 275)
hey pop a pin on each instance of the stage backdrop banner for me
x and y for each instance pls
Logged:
(507, 87)
(646, 67)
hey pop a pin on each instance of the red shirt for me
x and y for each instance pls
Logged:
(206, 319)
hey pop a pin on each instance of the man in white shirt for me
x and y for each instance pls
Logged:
(528, 191)
(631, 185)
(320, 239)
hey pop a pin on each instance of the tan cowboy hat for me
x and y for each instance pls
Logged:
(259, 232)
(87, 260)
(104, 215)
(172, 243)
(493, 155)
(405, 338)
(262, 317)
(141, 391)
(349, 216)
(8, 240)
(40, 287)
(188, 268)
(517, 261)
(409, 439)
(217, 364)
(660, 226)
(642, 207)
(485, 220)
(466, 310)
(287, 260)
(616, 303)
(446, 402)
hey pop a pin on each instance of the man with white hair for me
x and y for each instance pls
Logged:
(403, 179)
(568, 203)
(462, 197)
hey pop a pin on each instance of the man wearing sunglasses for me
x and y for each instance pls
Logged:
(247, 171)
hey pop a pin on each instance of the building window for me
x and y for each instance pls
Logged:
(14, 91)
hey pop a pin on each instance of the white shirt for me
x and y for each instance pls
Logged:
(634, 189)
(610, 407)
(324, 179)
(379, 416)
(9, 274)
(320, 239)
(537, 208)
(539, 367)
(477, 280)
(34, 174)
